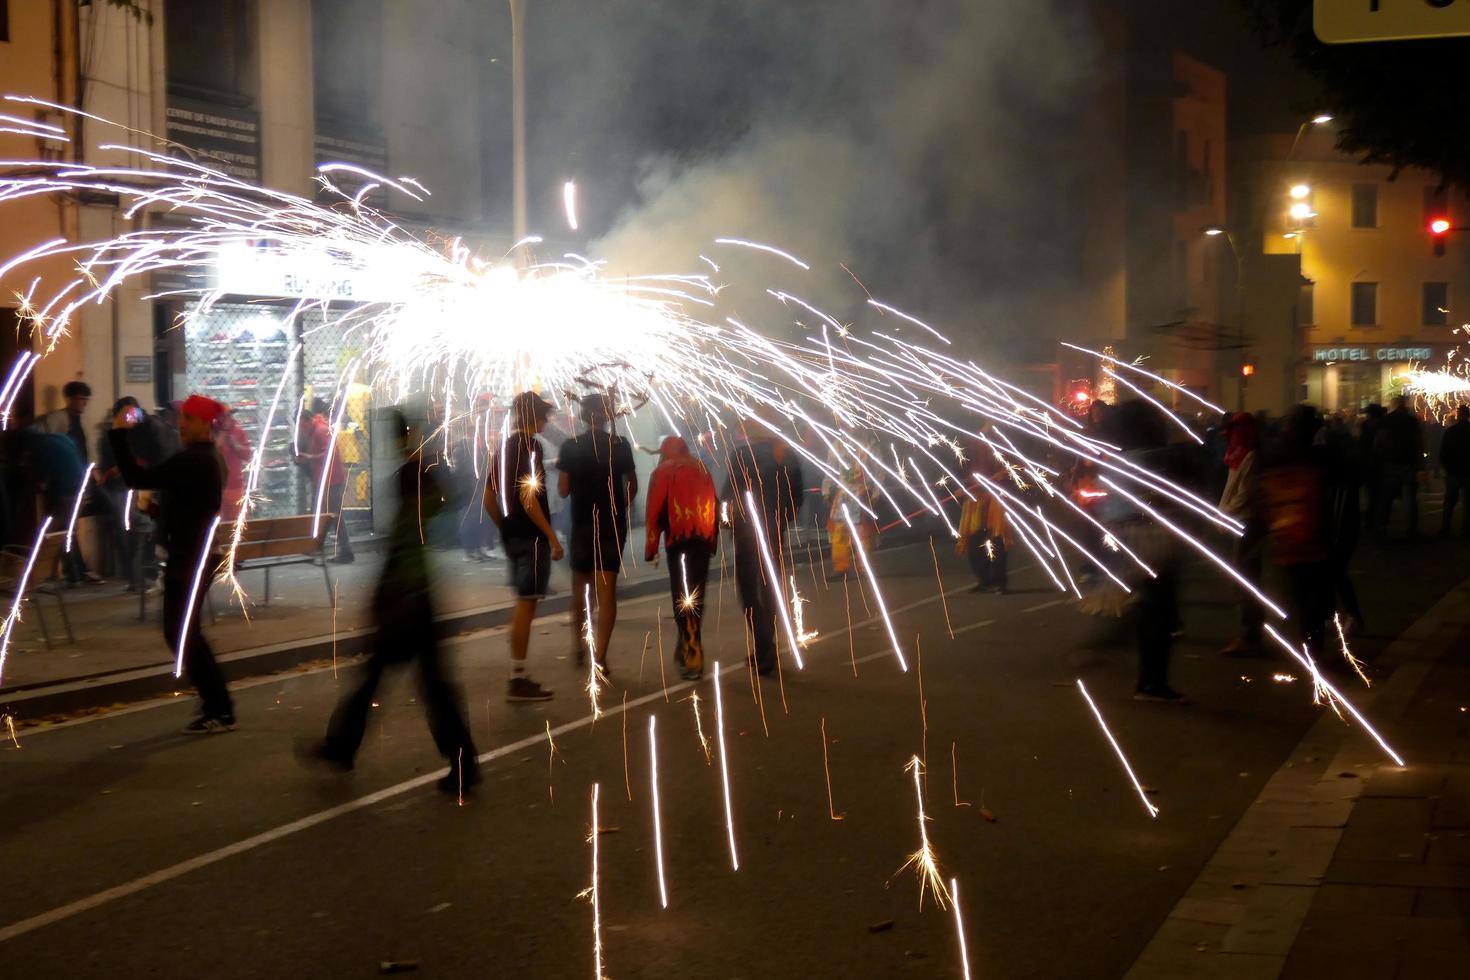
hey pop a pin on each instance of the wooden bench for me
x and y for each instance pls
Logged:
(13, 560)
(270, 542)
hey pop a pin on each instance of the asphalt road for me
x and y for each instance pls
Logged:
(131, 851)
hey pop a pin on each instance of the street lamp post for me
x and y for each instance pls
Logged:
(518, 115)
(1217, 231)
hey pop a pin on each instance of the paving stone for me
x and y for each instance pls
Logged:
(1271, 921)
(1399, 873)
(1417, 781)
(1218, 912)
(1448, 903)
(1449, 848)
(1369, 899)
(1305, 858)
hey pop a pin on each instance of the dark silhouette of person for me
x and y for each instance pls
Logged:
(191, 484)
(403, 616)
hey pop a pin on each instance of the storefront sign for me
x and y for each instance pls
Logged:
(246, 270)
(225, 137)
(1322, 354)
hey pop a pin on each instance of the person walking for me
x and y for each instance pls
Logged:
(234, 448)
(851, 485)
(515, 498)
(403, 620)
(761, 469)
(682, 510)
(1241, 500)
(322, 459)
(1297, 488)
(598, 473)
(985, 537)
(1454, 459)
(1400, 448)
(191, 484)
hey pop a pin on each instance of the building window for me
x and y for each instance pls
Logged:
(1306, 310)
(1436, 203)
(1436, 304)
(347, 61)
(4, 20)
(209, 49)
(1365, 304)
(1365, 205)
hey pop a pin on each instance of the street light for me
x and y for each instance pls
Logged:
(1321, 119)
(1300, 191)
(1217, 231)
(1301, 211)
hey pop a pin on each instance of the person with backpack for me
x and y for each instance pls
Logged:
(682, 509)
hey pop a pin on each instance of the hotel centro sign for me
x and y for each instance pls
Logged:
(1385, 354)
(1347, 21)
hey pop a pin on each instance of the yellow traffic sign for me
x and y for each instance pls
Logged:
(1347, 21)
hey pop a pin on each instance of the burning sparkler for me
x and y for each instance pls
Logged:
(803, 636)
(1353, 662)
(923, 861)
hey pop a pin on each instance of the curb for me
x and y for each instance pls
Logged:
(1242, 915)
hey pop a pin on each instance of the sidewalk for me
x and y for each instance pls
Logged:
(116, 658)
(1347, 865)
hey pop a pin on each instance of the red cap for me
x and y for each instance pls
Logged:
(202, 408)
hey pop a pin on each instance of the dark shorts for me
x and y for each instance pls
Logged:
(529, 564)
(589, 554)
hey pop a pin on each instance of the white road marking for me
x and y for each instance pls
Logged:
(1046, 605)
(974, 626)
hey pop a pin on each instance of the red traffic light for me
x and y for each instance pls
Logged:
(1438, 226)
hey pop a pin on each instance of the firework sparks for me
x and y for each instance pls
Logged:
(594, 670)
(803, 636)
(13, 616)
(569, 202)
(959, 926)
(128, 511)
(724, 767)
(862, 553)
(923, 861)
(699, 726)
(594, 894)
(827, 771)
(773, 577)
(10, 729)
(1353, 662)
(194, 594)
(658, 833)
(1153, 811)
(76, 507)
(688, 602)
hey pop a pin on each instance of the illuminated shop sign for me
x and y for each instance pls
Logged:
(252, 270)
(1323, 354)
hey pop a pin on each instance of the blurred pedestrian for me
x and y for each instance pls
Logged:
(62, 476)
(1370, 465)
(192, 487)
(403, 619)
(762, 469)
(1242, 501)
(985, 537)
(234, 447)
(318, 454)
(1296, 488)
(598, 473)
(1454, 458)
(682, 510)
(1399, 447)
(851, 489)
(474, 448)
(515, 498)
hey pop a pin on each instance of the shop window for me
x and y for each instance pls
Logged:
(1436, 304)
(208, 46)
(1365, 304)
(1365, 205)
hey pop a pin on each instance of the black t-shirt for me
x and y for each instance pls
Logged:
(524, 461)
(598, 464)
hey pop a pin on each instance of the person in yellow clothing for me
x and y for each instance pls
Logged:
(985, 538)
(839, 535)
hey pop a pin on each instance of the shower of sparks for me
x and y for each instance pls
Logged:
(959, 926)
(724, 767)
(699, 726)
(923, 861)
(1284, 678)
(194, 594)
(569, 201)
(954, 776)
(803, 636)
(1437, 384)
(1353, 662)
(827, 771)
(688, 602)
(444, 319)
(1334, 696)
(1153, 811)
(862, 553)
(128, 511)
(550, 759)
(76, 507)
(751, 511)
(658, 832)
(990, 549)
(594, 894)
(13, 617)
(10, 729)
(594, 670)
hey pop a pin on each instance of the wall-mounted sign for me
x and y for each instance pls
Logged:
(225, 137)
(137, 369)
(1386, 354)
(1346, 21)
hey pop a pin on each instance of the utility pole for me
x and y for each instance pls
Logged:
(518, 114)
